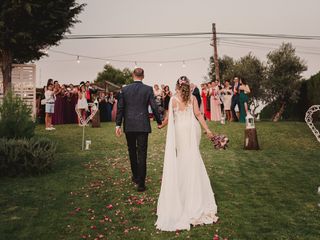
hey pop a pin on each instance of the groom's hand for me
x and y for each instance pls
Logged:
(160, 125)
(118, 131)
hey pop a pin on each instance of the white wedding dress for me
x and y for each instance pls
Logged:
(186, 196)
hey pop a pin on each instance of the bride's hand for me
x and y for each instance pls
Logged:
(209, 134)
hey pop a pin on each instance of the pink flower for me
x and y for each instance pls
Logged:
(216, 237)
(109, 206)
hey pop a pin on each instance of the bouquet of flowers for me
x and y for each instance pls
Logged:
(220, 141)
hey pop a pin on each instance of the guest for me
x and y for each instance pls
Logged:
(50, 98)
(42, 107)
(195, 92)
(166, 95)
(102, 106)
(89, 92)
(226, 92)
(220, 87)
(57, 117)
(50, 81)
(208, 100)
(82, 104)
(74, 100)
(70, 99)
(162, 87)
(114, 109)
(158, 99)
(243, 99)
(110, 102)
(235, 98)
(204, 93)
(156, 90)
(215, 102)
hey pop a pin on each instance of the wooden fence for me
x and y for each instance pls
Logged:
(23, 84)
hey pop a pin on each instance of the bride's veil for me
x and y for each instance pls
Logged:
(169, 197)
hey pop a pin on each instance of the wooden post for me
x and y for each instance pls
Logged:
(215, 52)
(251, 139)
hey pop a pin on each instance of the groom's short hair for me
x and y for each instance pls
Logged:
(138, 72)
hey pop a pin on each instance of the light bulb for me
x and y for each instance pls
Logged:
(184, 64)
(160, 65)
(78, 59)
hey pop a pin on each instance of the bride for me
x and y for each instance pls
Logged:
(186, 197)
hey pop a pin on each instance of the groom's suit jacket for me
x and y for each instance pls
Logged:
(132, 107)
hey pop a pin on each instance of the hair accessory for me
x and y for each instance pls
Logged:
(182, 80)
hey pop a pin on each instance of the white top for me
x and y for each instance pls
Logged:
(49, 96)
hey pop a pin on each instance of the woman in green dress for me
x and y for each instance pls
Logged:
(243, 99)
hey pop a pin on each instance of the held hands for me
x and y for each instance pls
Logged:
(161, 125)
(118, 131)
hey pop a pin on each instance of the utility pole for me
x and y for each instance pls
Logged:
(215, 51)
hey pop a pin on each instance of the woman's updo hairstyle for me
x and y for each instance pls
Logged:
(183, 85)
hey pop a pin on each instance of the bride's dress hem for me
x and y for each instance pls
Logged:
(205, 218)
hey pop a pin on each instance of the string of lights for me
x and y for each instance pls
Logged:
(239, 40)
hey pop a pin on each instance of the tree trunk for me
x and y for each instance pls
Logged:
(251, 139)
(278, 115)
(6, 69)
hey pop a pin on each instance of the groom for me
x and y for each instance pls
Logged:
(132, 108)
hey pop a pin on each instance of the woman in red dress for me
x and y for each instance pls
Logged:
(204, 93)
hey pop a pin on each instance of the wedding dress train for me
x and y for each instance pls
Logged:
(186, 196)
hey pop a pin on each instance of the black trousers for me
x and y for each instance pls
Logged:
(234, 102)
(137, 146)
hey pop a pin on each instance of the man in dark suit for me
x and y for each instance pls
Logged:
(195, 92)
(132, 108)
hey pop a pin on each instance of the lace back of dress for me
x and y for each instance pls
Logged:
(179, 106)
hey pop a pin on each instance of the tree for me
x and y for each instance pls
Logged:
(252, 70)
(116, 76)
(248, 67)
(226, 65)
(283, 80)
(313, 89)
(30, 26)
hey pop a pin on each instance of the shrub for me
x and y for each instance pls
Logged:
(26, 156)
(15, 118)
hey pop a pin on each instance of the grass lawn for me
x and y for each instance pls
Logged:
(266, 194)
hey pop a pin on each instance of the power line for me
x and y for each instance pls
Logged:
(191, 34)
(256, 45)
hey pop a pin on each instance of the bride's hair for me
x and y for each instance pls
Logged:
(183, 85)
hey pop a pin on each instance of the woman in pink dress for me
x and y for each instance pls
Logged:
(215, 102)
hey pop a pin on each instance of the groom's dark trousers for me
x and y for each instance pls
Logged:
(132, 110)
(138, 147)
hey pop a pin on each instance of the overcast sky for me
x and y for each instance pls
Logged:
(158, 16)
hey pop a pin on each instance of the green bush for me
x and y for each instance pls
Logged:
(15, 118)
(26, 156)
